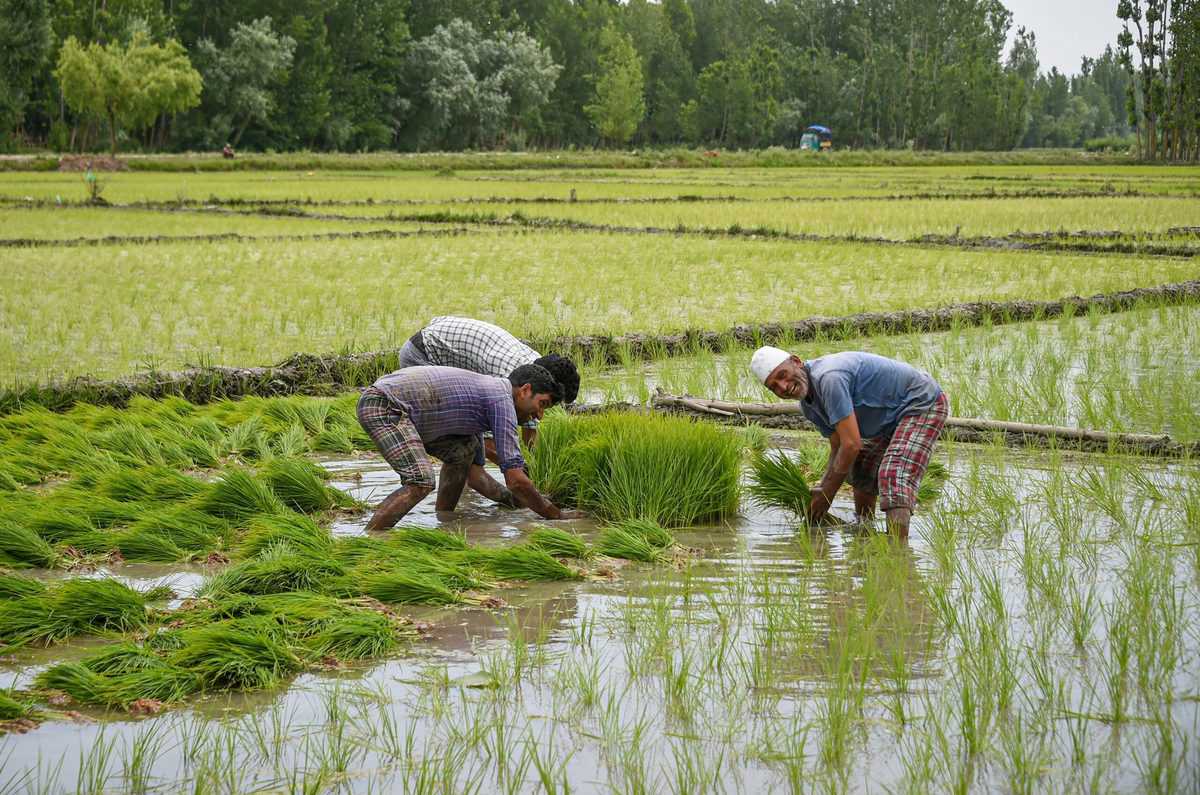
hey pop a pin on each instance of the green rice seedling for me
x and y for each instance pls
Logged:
(523, 562)
(54, 524)
(628, 543)
(301, 485)
(755, 438)
(76, 680)
(619, 466)
(655, 534)
(334, 439)
(239, 496)
(292, 442)
(168, 683)
(313, 414)
(123, 658)
(13, 586)
(560, 543)
(142, 544)
(11, 709)
(235, 656)
(780, 481)
(155, 482)
(99, 511)
(356, 635)
(20, 546)
(931, 485)
(278, 568)
(186, 527)
(427, 537)
(405, 587)
(295, 530)
(99, 605)
(449, 567)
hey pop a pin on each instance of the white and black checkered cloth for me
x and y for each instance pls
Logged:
(474, 345)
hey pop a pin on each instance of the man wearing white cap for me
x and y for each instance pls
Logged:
(881, 417)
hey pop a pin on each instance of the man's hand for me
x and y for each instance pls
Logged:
(818, 506)
(526, 493)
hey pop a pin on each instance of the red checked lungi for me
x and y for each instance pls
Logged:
(892, 466)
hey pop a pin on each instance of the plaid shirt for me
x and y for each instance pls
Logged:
(444, 401)
(474, 345)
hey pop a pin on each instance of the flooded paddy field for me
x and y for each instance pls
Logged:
(1040, 633)
(237, 631)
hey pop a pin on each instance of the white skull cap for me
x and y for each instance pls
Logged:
(765, 360)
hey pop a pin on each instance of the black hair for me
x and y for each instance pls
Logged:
(539, 379)
(564, 372)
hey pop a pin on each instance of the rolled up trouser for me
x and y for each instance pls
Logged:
(396, 437)
(892, 466)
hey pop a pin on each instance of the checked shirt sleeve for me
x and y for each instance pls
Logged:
(502, 418)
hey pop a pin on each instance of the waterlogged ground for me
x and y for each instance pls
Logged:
(1040, 632)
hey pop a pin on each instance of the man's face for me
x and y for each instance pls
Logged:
(530, 406)
(785, 380)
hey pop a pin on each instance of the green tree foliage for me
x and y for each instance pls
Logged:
(240, 80)
(127, 86)
(372, 74)
(618, 103)
(25, 42)
(468, 90)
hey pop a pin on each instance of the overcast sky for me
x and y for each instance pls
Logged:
(1066, 30)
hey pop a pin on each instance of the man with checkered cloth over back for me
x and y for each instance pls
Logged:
(881, 417)
(487, 349)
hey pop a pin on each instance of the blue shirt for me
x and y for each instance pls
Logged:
(878, 390)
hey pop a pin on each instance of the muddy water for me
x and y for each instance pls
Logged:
(725, 674)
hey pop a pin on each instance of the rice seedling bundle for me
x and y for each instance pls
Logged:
(155, 679)
(780, 481)
(73, 607)
(301, 485)
(673, 470)
(635, 540)
(295, 530)
(153, 482)
(13, 586)
(560, 543)
(239, 496)
(427, 537)
(97, 510)
(935, 478)
(235, 656)
(123, 658)
(356, 635)
(405, 587)
(334, 439)
(77, 681)
(521, 563)
(292, 442)
(11, 709)
(185, 527)
(21, 546)
(142, 544)
(373, 555)
(277, 569)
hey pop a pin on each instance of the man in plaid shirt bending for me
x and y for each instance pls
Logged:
(881, 417)
(482, 347)
(421, 411)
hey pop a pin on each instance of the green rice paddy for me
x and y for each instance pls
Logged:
(188, 599)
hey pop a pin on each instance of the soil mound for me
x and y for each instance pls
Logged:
(82, 163)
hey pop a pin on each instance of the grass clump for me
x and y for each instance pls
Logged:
(621, 466)
(358, 635)
(296, 531)
(780, 481)
(560, 543)
(402, 587)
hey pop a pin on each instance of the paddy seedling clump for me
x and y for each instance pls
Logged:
(622, 466)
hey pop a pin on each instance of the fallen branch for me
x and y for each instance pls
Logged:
(1013, 434)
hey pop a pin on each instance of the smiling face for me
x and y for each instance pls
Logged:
(787, 380)
(530, 405)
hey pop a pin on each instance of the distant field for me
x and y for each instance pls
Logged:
(111, 308)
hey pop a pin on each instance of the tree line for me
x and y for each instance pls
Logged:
(420, 75)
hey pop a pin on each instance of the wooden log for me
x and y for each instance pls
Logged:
(1016, 434)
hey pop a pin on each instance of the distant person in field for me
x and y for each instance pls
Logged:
(227, 152)
(482, 347)
(881, 417)
(440, 411)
